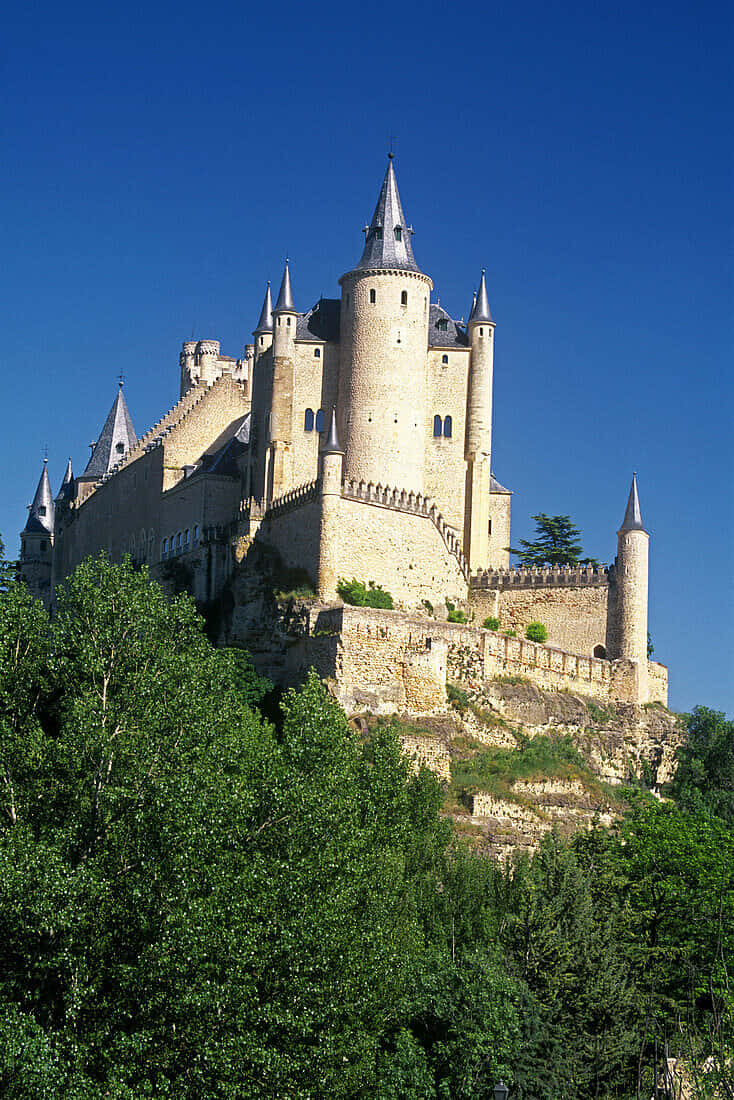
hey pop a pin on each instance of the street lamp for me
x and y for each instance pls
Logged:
(501, 1091)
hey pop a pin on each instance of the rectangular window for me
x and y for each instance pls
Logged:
(196, 535)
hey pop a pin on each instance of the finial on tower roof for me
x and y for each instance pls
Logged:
(332, 443)
(265, 324)
(480, 308)
(633, 516)
(285, 298)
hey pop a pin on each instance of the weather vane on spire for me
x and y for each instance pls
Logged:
(391, 139)
(121, 379)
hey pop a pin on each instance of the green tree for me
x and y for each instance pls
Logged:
(704, 779)
(8, 569)
(557, 542)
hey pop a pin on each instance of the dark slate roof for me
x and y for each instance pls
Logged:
(41, 512)
(66, 492)
(495, 487)
(331, 447)
(382, 247)
(453, 337)
(265, 324)
(224, 460)
(480, 309)
(633, 516)
(118, 429)
(321, 322)
(285, 298)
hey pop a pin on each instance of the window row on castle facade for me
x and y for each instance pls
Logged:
(180, 543)
(313, 421)
(442, 427)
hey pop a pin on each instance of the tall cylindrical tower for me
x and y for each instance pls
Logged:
(189, 370)
(384, 342)
(330, 515)
(207, 354)
(478, 444)
(632, 580)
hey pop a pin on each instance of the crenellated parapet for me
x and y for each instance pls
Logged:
(556, 576)
(402, 500)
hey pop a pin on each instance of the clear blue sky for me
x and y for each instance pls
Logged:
(159, 160)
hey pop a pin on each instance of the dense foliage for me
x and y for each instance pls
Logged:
(198, 903)
(557, 542)
(536, 632)
(360, 594)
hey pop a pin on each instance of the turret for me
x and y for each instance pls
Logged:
(37, 539)
(384, 342)
(332, 457)
(280, 433)
(631, 575)
(115, 440)
(263, 333)
(189, 369)
(478, 446)
(207, 357)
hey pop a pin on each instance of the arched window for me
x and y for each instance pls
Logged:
(442, 324)
(308, 420)
(178, 542)
(404, 298)
(317, 353)
(437, 427)
(288, 322)
(373, 297)
(119, 447)
(481, 332)
(186, 539)
(444, 358)
(600, 651)
(447, 427)
(42, 510)
(378, 233)
(320, 420)
(196, 534)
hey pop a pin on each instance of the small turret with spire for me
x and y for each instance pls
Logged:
(36, 541)
(478, 448)
(631, 577)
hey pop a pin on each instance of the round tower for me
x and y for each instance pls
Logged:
(632, 580)
(37, 540)
(332, 457)
(478, 444)
(189, 370)
(384, 342)
(280, 414)
(264, 332)
(207, 354)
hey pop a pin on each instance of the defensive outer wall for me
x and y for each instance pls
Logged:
(392, 661)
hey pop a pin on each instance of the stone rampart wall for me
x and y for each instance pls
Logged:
(575, 615)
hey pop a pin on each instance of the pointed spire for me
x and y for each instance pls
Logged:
(118, 436)
(332, 443)
(265, 324)
(388, 242)
(67, 485)
(285, 298)
(41, 511)
(633, 516)
(480, 309)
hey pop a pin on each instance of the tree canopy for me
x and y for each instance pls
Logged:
(557, 542)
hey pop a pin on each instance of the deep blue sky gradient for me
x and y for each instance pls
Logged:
(160, 160)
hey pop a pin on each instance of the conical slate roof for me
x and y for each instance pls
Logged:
(118, 436)
(332, 443)
(265, 324)
(633, 516)
(67, 485)
(480, 309)
(388, 242)
(285, 298)
(41, 512)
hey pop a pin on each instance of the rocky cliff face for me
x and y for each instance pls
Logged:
(615, 746)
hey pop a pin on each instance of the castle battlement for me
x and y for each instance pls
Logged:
(543, 577)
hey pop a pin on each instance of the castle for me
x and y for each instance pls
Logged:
(350, 440)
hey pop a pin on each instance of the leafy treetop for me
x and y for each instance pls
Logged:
(557, 542)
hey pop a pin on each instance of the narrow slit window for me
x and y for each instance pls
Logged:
(404, 298)
(288, 322)
(196, 534)
(447, 427)
(308, 420)
(437, 427)
(489, 527)
(398, 233)
(373, 297)
(320, 420)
